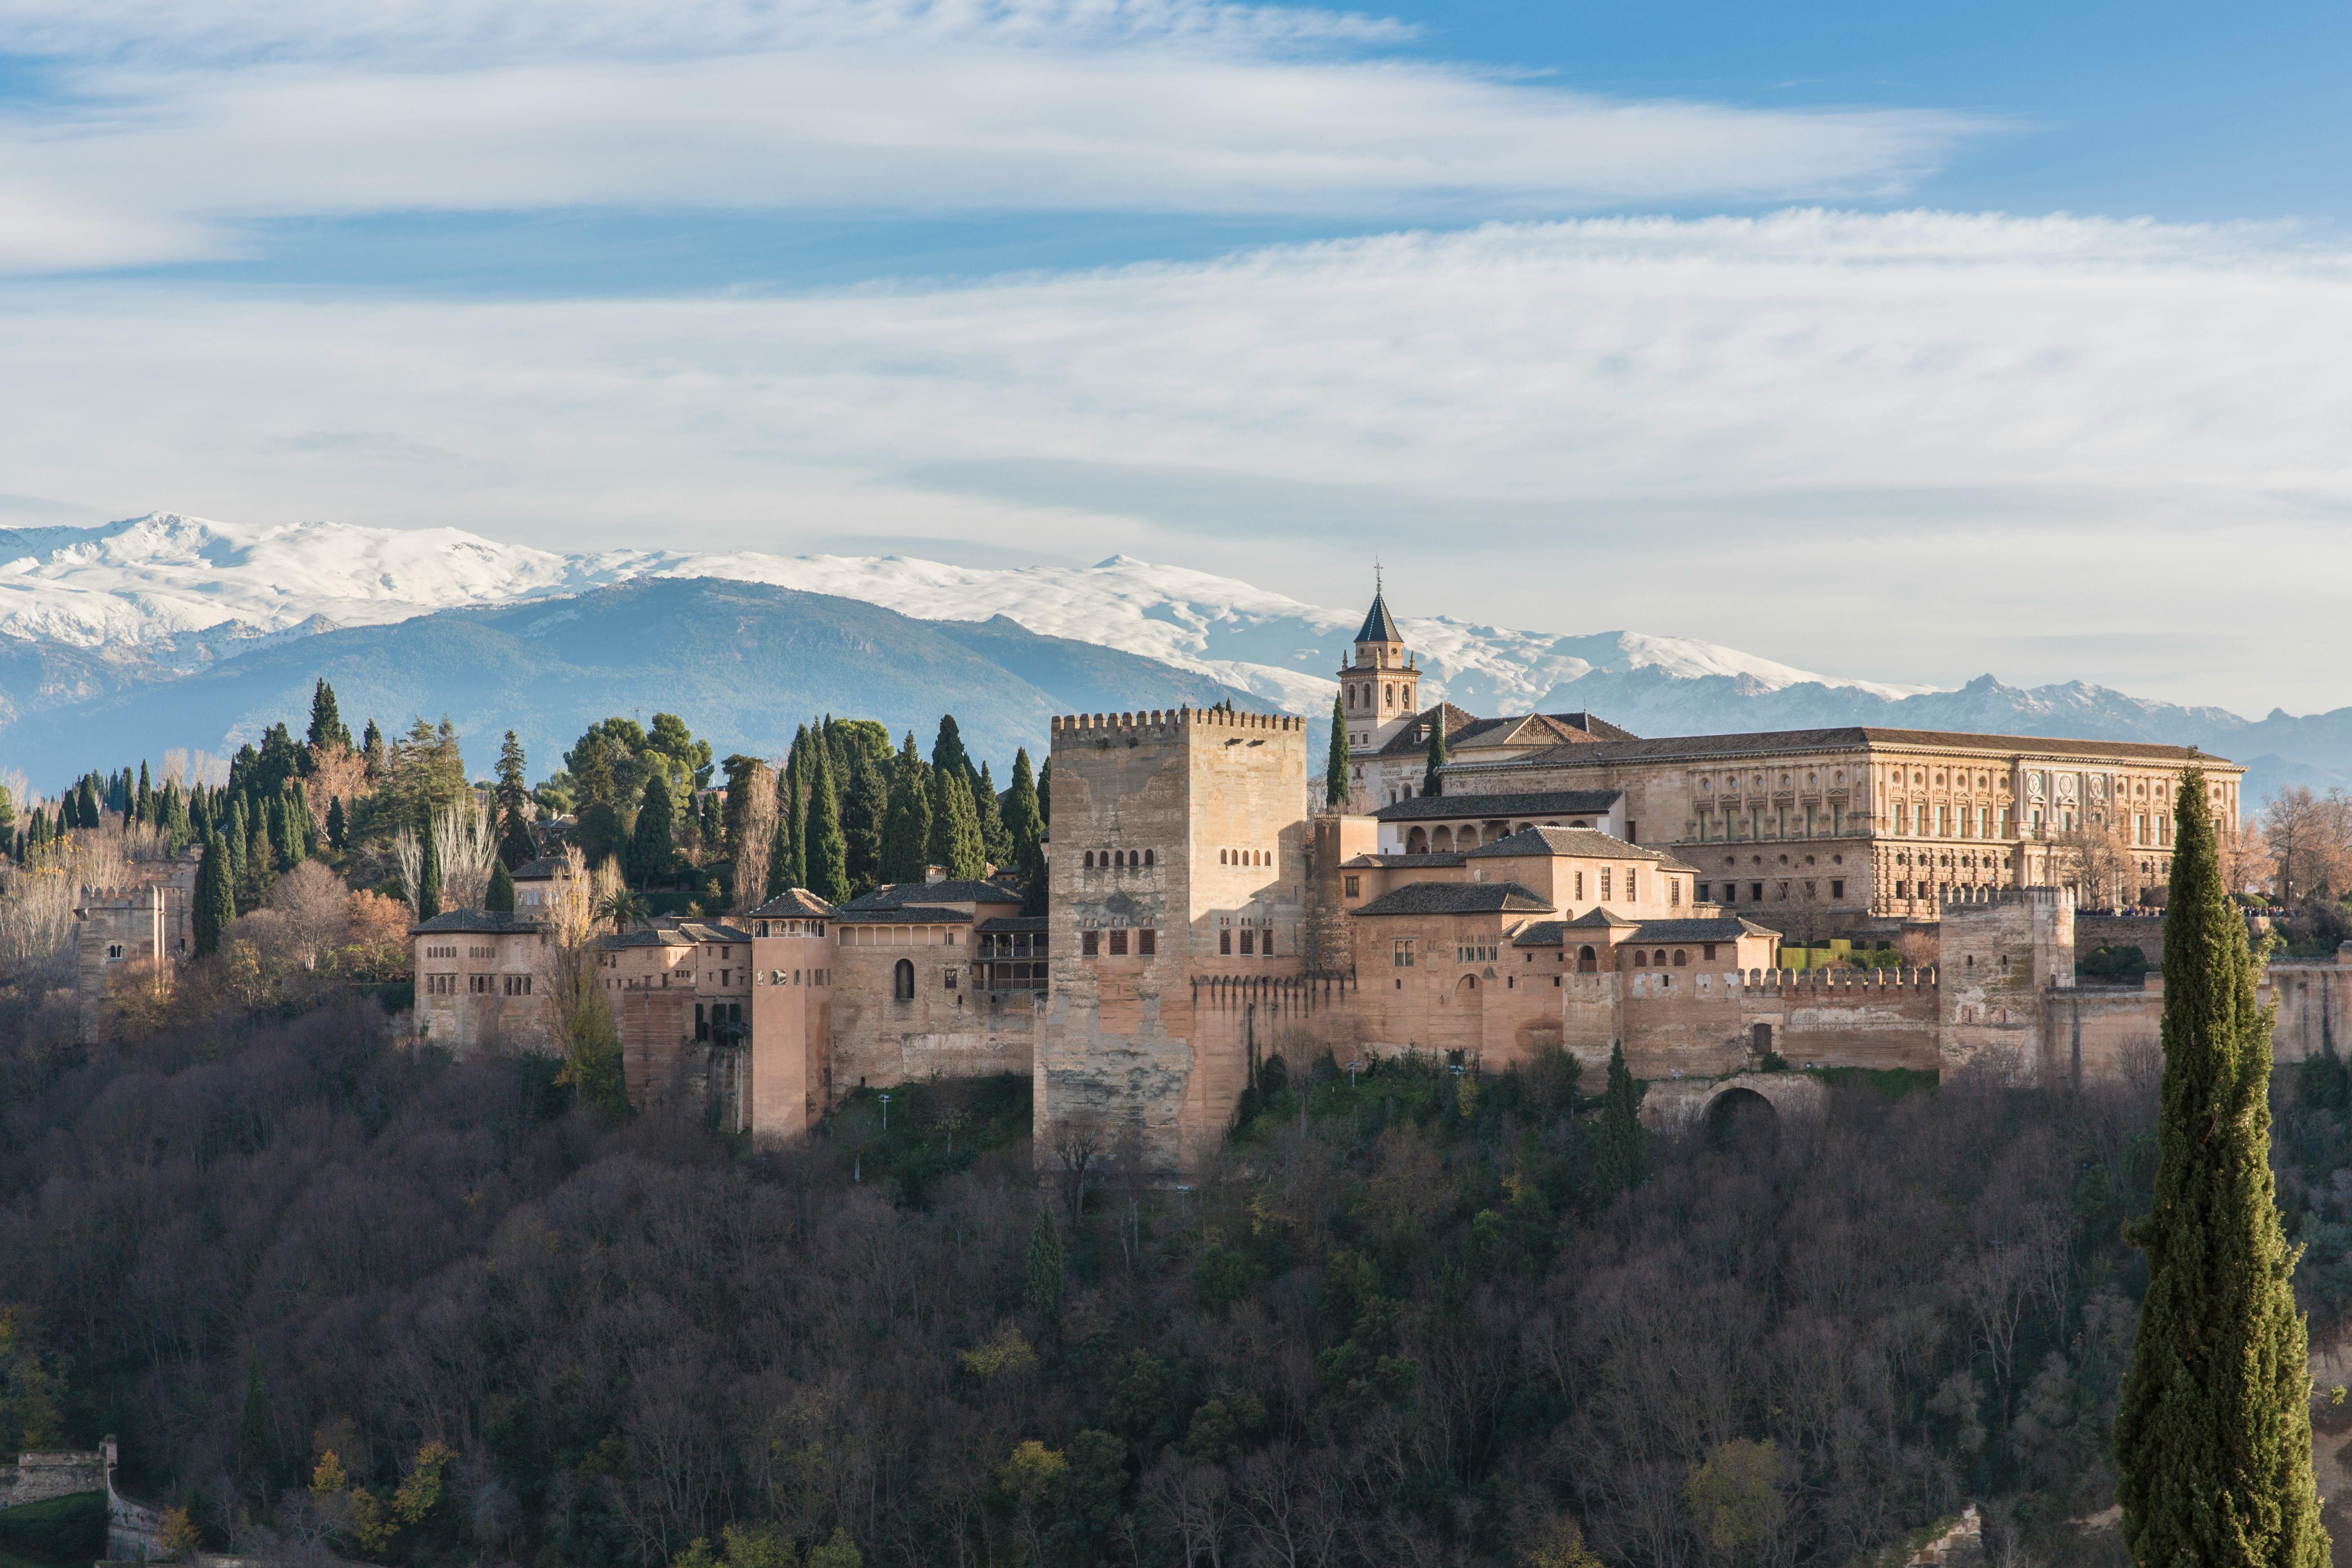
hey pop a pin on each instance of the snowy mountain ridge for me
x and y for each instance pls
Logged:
(187, 590)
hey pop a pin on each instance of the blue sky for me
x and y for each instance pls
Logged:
(1702, 300)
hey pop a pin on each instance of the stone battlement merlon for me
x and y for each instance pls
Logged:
(1167, 724)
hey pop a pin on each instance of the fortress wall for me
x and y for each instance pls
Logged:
(2092, 1032)
(2314, 1007)
(2144, 933)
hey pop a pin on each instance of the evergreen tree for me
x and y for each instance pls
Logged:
(337, 826)
(1045, 792)
(907, 830)
(378, 758)
(864, 807)
(1335, 769)
(714, 823)
(779, 858)
(650, 852)
(501, 893)
(216, 903)
(88, 797)
(7, 816)
(2213, 1430)
(827, 850)
(1619, 1153)
(327, 731)
(516, 846)
(146, 802)
(282, 857)
(1024, 824)
(1044, 1291)
(959, 846)
(791, 811)
(240, 856)
(428, 878)
(948, 754)
(1433, 780)
(995, 840)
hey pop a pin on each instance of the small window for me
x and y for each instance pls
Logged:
(1269, 942)
(1604, 885)
(1401, 954)
(1641, 960)
(1146, 940)
(1247, 936)
(902, 980)
(1090, 860)
(1087, 940)
(1147, 858)
(1224, 943)
(1118, 942)
(1708, 952)
(1355, 887)
(1837, 888)
(1682, 957)
(947, 977)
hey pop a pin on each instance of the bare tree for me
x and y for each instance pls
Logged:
(2309, 840)
(2095, 861)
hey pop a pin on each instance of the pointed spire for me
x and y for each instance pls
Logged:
(1380, 625)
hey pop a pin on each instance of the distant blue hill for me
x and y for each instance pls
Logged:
(742, 662)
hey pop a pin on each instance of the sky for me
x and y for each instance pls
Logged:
(1910, 343)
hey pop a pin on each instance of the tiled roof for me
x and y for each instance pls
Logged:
(1378, 624)
(1843, 737)
(1723, 928)
(675, 933)
(1405, 862)
(1670, 862)
(900, 894)
(1454, 898)
(1540, 933)
(478, 922)
(546, 868)
(1592, 726)
(792, 903)
(1413, 737)
(1599, 916)
(1583, 841)
(1547, 802)
(1000, 924)
(905, 915)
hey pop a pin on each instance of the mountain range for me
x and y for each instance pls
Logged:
(174, 631)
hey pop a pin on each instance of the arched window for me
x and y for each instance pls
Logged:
(1119, 857)
(1147, 857)
(1442, 839)
(902, 980)
(1221, 857)
(1659, 958)
(1586, 963)
(1682, 957)
(1090, 860)
(1641, 960)
(1416, 842)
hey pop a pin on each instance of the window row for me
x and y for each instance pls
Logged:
(1147, 941)
(1784, 886)
(1255, 943)
(1111, 859)
(793, 977)
(1244, 857)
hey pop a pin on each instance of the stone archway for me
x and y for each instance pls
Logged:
(1740, 1121)
(1689, 1104)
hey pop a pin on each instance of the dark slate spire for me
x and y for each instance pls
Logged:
(1380, 625)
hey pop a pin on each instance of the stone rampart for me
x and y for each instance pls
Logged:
(36, 1477)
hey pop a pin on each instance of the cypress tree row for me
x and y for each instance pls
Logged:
(2213, 1431)
(1335, 766)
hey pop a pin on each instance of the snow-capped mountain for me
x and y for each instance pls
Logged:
(88, 614)
(187, 590)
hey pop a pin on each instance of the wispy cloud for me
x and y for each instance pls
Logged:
(1870, 443)
(167, 131)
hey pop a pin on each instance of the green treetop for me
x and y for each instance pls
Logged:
(2213, 1430)
(327, 731)
(907, 830)
(216, 902)
(826, 852)
(650, 855)
(1432, 777)
(995, 838)
(864, 807)
(501, 893)
(1620, 1153)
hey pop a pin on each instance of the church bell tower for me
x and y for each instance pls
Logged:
(1380, 693)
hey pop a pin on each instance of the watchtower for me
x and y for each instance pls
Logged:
(1179, 851)
(122, 929)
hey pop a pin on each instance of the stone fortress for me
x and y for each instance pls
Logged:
(1572, 886)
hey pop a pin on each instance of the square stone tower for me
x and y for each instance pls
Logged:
(1179, 856)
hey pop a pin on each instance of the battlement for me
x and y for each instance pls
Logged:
(1835, 980)
(140, 898)
(1962, 899)
(1163, 724)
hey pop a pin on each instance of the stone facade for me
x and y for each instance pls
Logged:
(136, 930)
(38, 1477)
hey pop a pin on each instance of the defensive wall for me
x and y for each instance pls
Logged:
(38, 1477)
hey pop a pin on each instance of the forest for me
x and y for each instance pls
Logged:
(338, 1293)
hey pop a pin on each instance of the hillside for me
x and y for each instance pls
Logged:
(744, 662)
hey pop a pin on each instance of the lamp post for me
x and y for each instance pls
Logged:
(886, 1111)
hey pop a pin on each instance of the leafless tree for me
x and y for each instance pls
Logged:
(2309, 840)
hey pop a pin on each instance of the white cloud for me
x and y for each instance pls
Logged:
(1879, 444)
(197, 121)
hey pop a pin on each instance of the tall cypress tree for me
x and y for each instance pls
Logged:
(827, 852)
(1620, 1153)
(1433, 780)
(2213, 1431)
(1042, 1289)
(240, 855)
(907, 831)
(1045, 792)
(864, 807)
(966, 860)
(948, 754)
(216, 904)
(792, 809)
(995, 839)
(516, 845)
(146, 803)
(1335, 767)
(327, 731)
(428, 878)
(502, 894)
(649, 845)
(336, 825)
(940, 848)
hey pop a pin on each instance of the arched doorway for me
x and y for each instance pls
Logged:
(1416, 842)
(1587, 961)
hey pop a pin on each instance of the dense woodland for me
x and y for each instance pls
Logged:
(1436, 1319)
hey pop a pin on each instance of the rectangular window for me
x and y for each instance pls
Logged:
(1698, 893)
(1755, 892)
(1225, 942)
(1633, 889)
(1400, 955)
(1943, 822)
(1903, 889)
(1604, 885)
(1708, 953)
(1837, 889)
(2004, 821)
(1674, 892)
(1633, 834)
(1809, 889)
(1247, 937)
(1355, 887)
(1119, 944)
(1147, 941)
(1579, 884)
(1269, 942)
(1086, 940)
(948, 975)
